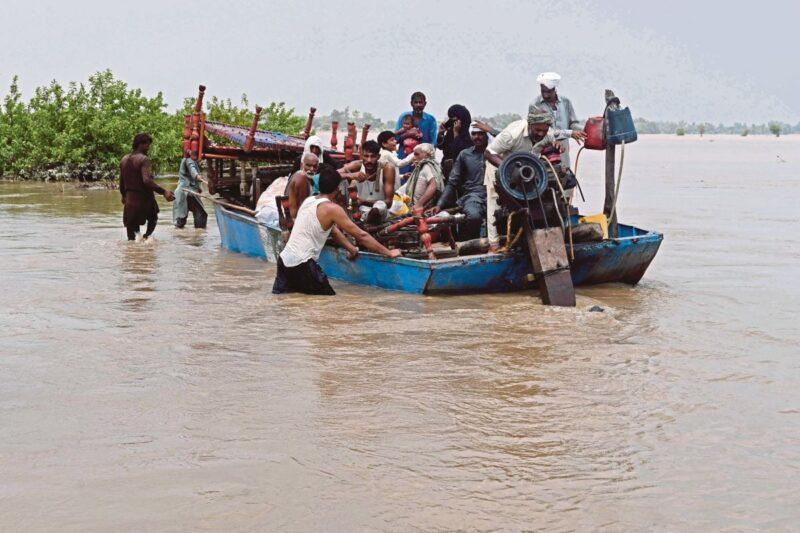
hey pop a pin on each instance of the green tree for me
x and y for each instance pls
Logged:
(14, 128)
(680, 132)
(775, 128)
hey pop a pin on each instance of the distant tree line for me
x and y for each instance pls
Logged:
(323, 122)
(645, 126)
(82, 130)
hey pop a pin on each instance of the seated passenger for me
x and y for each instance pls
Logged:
(266, 208)
(373, 180)
(388, 143)
(303, 183)
(466, 179)
(314, 145)
(318, 217)
(426, 181)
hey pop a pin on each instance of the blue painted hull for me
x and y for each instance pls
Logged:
(624, 259)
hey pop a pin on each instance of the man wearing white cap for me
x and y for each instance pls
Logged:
(565, 123)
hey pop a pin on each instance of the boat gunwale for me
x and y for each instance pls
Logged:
(647, 236)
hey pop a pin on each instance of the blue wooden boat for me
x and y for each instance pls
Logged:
(623, 259)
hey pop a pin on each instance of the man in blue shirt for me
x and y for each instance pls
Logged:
(424, 122)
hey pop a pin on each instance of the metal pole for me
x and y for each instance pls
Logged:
(611, 156)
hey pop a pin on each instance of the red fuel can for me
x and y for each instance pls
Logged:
(595, 137)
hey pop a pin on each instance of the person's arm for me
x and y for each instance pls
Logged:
(453, 183)
(344, 242)
(502, 144)
(194, 169)
(389, 175)
(392, 159)
(548, 140)
(352, 171)
(334, 213)
(427, 196)
(441, 136)
(577, 132)
(433, 131)
(483, 126)
(149, 182)
(121, 184)
(298, 192)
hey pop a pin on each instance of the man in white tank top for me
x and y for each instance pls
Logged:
(318, 217)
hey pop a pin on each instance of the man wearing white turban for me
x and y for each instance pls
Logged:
(565, 122)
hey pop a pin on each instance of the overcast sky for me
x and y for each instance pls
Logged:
(678, 60)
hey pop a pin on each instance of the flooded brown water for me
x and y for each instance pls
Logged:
(160, 386)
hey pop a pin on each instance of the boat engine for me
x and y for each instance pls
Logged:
(524, 181)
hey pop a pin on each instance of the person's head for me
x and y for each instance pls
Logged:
(549, 95)
(539, 123)
(309, 163)
(479, 138)
(548, 83)
(418, 103)
(329, 180)
(387, 140)
(370, 153)
(460, 117)
(314, 145)
(142, 142)
(424, 151)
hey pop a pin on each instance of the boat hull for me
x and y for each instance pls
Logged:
(624, 259)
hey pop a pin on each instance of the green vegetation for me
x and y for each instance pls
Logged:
(680, 132)
(775, 128)
(644, 126)
(82, 130)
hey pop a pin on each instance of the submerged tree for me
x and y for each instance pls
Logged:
(775, 128)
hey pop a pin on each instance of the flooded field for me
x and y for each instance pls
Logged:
(160, 386)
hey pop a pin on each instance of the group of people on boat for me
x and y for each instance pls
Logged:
(398, 173)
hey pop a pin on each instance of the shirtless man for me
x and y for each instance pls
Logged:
(138, 188)
(303, 183)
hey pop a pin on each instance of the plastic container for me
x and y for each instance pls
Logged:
(597, 219)
(595, 138)
(620, 126)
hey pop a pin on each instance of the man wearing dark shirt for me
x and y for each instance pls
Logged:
(137, 186)
(467, 178)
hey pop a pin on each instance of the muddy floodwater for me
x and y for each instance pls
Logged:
(160, 386)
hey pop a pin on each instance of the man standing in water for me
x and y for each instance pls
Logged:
(137, 186)
(565, 122)
(318, 217)
(420, 120)
(184, 202)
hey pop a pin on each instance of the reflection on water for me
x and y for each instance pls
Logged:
(161, 385)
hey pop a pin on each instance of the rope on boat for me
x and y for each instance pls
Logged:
(619, 180)
(510, 244)
(569, 218)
